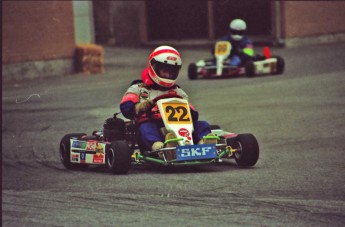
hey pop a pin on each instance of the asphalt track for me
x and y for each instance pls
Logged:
(298, 119)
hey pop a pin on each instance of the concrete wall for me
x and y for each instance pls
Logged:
(38, 34)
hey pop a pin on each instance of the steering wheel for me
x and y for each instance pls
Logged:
(165, 96)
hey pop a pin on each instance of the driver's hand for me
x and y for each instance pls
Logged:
(143, 107)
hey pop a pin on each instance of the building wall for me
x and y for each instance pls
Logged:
(310, 18)
(37, 30)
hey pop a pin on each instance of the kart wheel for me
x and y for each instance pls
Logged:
(118, 157)
(250, 69)
(192, 71)
(247, 147)
(280, 65)
(65, 151)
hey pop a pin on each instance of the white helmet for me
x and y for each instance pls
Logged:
(168, 59)
(237, 29)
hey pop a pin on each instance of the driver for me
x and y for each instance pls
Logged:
(159, 78)
(242, 47)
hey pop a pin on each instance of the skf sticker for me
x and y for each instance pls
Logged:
(194, 152)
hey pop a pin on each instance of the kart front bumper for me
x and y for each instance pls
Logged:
(168, 156)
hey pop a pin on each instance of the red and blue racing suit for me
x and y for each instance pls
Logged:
(149, 127)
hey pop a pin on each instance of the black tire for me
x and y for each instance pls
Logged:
(248, 150)
(65, 151)
(212, 127)
(250, 69)
(118, 157)
(280, 65)
(192, 71)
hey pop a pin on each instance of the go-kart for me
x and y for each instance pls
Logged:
(220, 66)
(117, 146)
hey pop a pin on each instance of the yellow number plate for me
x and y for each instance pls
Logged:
(222, 48)
(177, 113)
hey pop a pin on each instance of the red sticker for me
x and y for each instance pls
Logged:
(183, 132)
(171, 58)
(98, 158)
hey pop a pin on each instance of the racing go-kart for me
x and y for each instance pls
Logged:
(117, 146)
(220, 65)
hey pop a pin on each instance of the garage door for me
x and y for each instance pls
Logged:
(177, 20)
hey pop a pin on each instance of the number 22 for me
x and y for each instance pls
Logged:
(172, 111)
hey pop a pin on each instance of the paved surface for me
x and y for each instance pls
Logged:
(298, 119)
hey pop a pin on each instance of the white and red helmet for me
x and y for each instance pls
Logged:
(164, 58)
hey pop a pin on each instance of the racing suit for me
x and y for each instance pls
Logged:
(149, 127)
(241, 51)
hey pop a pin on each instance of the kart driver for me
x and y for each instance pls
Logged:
(158, 78)
(242, 46)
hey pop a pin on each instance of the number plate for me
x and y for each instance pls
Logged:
(222, 48)
(194, 152)
(177, 113)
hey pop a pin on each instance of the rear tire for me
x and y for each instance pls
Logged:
(248, 150)
(118, 157)
(192, 71)
(65, 151)
(280, 65)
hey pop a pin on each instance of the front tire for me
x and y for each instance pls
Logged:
(65, 150)
(247, 147)
(118, 157)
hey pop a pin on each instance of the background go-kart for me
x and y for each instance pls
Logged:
(298, 119)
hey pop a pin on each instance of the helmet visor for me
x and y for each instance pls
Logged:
(237, 32)
(164, 70)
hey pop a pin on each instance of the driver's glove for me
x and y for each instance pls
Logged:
(143, 107)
